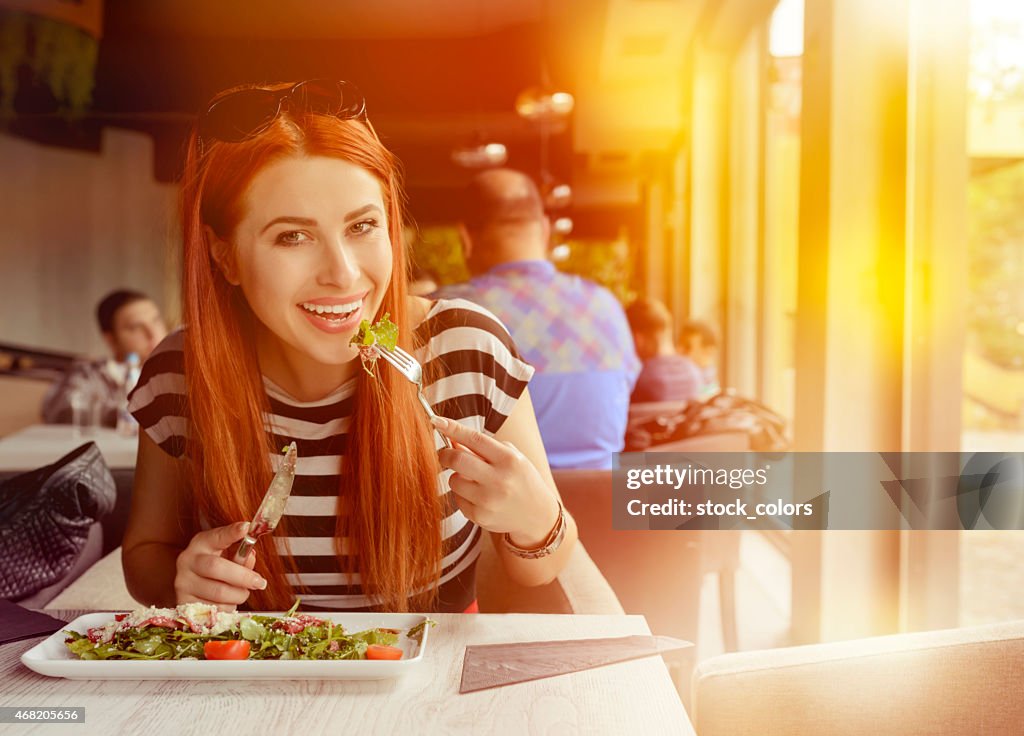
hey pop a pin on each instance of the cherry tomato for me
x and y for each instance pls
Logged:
(238, 649)
(380, 651)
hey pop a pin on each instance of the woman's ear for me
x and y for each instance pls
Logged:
(223, 255)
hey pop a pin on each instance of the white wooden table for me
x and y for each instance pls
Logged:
(624, 698)
(41, 444)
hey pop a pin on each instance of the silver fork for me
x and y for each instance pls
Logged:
(409, 367)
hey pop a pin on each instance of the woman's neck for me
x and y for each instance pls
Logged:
(300, 377)
(306, 388)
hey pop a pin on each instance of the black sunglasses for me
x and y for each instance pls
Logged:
(238, 115)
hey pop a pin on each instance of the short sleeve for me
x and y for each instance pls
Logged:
(473, 371)
(159, 400)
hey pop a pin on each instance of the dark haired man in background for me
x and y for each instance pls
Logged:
(130, 323)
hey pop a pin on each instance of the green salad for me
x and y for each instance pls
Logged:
(370, 338)
(200, 631)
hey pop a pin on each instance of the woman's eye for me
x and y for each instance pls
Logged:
(292, 237)
(363, 227)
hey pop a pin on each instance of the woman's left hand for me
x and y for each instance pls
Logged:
(496, 485)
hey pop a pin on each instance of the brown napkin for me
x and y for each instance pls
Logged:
(18, 623)
(494, 665)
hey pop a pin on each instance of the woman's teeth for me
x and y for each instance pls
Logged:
(328, 310)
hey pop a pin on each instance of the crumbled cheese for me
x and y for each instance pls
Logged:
(204, 616)
(107, 631)
(200, 614)
(139, 615)
(225, 621)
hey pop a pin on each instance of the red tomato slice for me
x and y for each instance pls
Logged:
(380, 651)
(226, 649)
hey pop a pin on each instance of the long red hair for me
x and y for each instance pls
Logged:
(389, 504)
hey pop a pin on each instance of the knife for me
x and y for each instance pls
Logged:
(272, 508)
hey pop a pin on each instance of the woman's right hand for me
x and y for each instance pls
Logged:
(205, 575)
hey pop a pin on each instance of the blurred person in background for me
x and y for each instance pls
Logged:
(130, 322)
(666, 375)
(422, 281)
(573, 331)
(699, 343)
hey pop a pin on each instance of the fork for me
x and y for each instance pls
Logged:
(409, 367)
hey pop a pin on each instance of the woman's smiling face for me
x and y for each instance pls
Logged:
(312, 255)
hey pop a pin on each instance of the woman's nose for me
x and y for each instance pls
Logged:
(338, 267)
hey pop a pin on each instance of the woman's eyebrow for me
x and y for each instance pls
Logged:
(309, 222)
(304, 221)
(363, 210)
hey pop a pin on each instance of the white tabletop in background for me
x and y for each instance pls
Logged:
(41, 444)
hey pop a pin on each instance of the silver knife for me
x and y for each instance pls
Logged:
(272, 508)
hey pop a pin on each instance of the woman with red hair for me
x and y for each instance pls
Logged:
(292, 217)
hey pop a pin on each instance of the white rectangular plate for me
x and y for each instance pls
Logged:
(51, 657)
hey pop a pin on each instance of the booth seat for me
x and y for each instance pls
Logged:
(954, 682)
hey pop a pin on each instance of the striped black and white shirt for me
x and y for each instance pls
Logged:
(480, 376)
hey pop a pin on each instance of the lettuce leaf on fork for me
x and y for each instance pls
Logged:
(369, 338)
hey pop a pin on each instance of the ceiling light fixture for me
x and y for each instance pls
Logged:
(544, 105)
(561, 252)
(563, 226)
(556, 196)
(481, 155)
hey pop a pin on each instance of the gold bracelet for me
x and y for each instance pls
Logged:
(551, 543)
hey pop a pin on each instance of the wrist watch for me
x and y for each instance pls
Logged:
(550, 544)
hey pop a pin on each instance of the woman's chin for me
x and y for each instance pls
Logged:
(336, 356)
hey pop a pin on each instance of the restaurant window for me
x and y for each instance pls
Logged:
(764, 173)
(781, 206)
(993, 359)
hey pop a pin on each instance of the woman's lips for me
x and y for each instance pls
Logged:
(348, 322)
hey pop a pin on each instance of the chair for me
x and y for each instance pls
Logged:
(654, 573)
(941, 683)
(21, 397)
(719, 550)
(642, 410)
(718, 442)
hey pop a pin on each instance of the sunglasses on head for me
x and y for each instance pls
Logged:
(237, 115)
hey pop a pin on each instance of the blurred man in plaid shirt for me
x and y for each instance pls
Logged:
(573, 331)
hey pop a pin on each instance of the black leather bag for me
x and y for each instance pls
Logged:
(45, 516)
